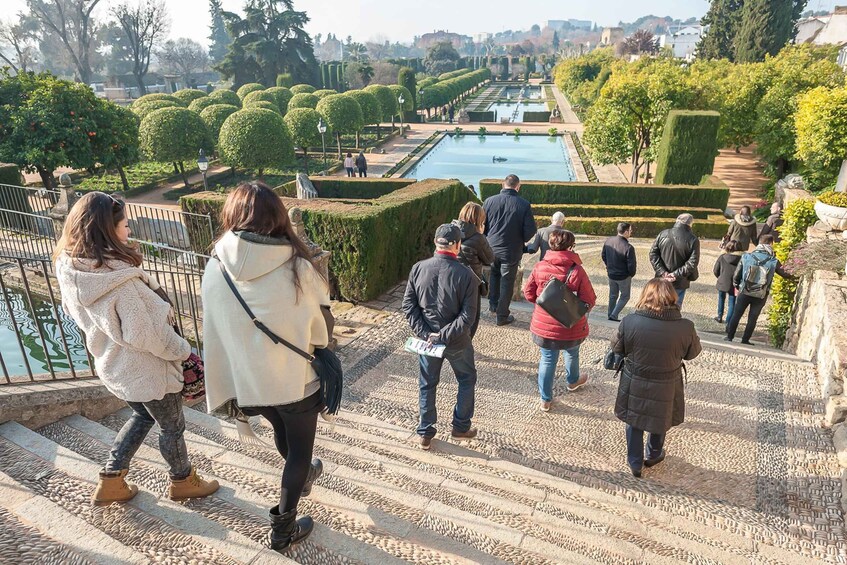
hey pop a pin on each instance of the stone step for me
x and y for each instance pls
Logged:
(66, 480)
(628, 513)
(351, 527)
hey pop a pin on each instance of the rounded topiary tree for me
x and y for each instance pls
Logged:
(263, 104)
(255, 138)
(141, 110)
(157, 96)
(408, 102)
(258, 95)
(324, 92)
(303, 125)
(302, 89)
(387, 102)
(283, 97)
(246, 89)
(342, 114)
(202, 103)
(284, 79)
(225, 96)
(303, 100)
(173, 135)
(371, 111)
(188, 95)
(214, 117)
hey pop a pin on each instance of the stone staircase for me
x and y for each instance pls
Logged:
(381, 500)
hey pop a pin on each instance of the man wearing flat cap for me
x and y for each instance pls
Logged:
(440, 303)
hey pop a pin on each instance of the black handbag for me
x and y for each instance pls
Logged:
(325, 362)
(612, 361)
(483, 286)
(561, 303)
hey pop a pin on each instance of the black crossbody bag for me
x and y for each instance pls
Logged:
(325, 362)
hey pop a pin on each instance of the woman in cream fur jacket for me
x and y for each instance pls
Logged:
(129, 332)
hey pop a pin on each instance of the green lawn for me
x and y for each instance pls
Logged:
(143, 175)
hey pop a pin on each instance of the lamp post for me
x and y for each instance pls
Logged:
(203, 166)
(420, 96)
(322, 130)
(400, 100)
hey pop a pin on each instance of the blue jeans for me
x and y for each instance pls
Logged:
(722, 296)
(462, 362)
(547, 369)
(635, 446)
(680, 296)
(501, 287)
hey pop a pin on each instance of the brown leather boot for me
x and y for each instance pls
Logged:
(113, 488)
(193, 486)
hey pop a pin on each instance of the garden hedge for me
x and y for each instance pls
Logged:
(225, 96)
(612, 211)
(302, 89)
(712, 228)
(544, 192)
(478, 116)
(246, 89)
(202, 103)
(264, 104)
(303, 100)
(283, 97)
(373, 244)
(259, 95)
(342, 188)
(688, 147)
(143, 109)
(540, 117)
(188, 95)
(214, 117)
(157, 96)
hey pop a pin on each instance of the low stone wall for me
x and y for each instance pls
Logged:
(40, 403)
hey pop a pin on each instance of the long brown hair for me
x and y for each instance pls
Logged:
(658, 295)
(473, 213)
(90, 232)
(253, 207)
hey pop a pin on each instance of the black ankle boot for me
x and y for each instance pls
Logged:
(287, 529)
(315, 471)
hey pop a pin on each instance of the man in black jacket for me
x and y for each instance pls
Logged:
(509, 224)
(440, 304)
(619, 258)
(675, 255)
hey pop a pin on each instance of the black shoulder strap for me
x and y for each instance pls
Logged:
(265, 330)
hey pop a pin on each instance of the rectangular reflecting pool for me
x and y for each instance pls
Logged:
(529, 92)
(471, 158)
(507, 109)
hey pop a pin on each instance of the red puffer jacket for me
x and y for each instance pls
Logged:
(556, 264)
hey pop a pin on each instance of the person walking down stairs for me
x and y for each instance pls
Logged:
(129, 330)
(270, 268)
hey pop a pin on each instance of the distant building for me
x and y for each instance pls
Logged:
(480, 37)
(611, 36)
(427, 40)
(683, 42)
(808, 28)
(835, 30)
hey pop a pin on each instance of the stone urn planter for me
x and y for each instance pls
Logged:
(831, 209)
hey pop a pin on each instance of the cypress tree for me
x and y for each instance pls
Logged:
(219, 39)
(766, 27)
(340, 79)
(723, 19)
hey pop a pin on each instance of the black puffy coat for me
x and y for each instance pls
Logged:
(676, 251)
(651, 393)
(475, 251)
(509, 224)
(724, 269)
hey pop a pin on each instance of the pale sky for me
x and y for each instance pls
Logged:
(401, 20)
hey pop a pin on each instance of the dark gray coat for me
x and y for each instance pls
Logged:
(542, 241)
(677, 251)
(651, 393)
(475, 251)
(509, 224)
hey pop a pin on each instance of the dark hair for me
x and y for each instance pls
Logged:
(745, 208)
(624, 227)
(90, 233)
(766, 239)
(732, 246)
(562, 240)
(512, 181)
(349, 154)
(253, 207)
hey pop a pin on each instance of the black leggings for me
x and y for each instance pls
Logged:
(294, 433)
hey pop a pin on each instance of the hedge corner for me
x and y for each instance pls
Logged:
(688, 147)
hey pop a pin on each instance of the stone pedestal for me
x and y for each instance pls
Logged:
(67, 199)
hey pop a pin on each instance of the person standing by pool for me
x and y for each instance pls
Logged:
(542, 237)
(509, 225)
(362, 164)
(349, 163)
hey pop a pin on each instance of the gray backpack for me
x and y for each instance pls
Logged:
(758, 277)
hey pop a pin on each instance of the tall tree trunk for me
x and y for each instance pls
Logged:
(184, 175)
(139, 79)
(46, 177)
(358, 143)
(123, 178)
(176, 168)
(647, 174)
(378, 136)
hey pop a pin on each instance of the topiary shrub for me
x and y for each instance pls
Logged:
(258, 95)
(387, 102)
(157, 96)
(371, 112)
(302, 124)
(688, 148)
(255, 138)
(263, 104)
(225, 96)
(324, 92)
(302, 89)
(285, 80)
(797, 218)
(141, 110)
(283, 97)
(408, 100)
(173, 135)
(214, 117)
(303, 100)
(341, 113)
(188, 95)
(202, 103)
(246, 89)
